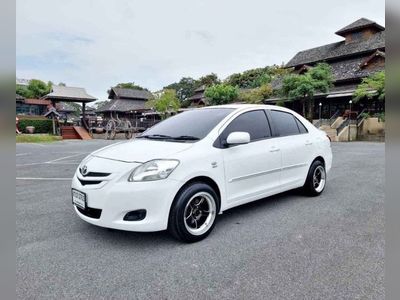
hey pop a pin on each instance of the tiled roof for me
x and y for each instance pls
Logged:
(131, 93)
(67, 93)
(338, 50)
(352, 69)
(348, 69)
(37, 101)
(122, 105)
(359, 24)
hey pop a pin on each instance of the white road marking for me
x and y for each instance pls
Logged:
(21, 154)
(42, 178)
(65, 157)
(56, 161)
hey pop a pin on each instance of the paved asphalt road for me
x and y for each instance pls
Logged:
(285, 247)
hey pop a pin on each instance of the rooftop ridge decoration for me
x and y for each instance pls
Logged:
(359, 24)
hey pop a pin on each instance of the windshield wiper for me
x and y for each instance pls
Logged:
(186, 138)
(168, 137)
(155, 136)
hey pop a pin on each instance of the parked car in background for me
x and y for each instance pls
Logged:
(183, 172)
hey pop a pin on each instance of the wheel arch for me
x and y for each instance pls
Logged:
(319, 158)
(202, 179)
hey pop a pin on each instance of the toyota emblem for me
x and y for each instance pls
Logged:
(84, 170)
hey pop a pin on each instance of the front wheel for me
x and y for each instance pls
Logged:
(193, 213)
(316, 179)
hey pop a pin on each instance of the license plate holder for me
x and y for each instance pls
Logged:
(79, 199)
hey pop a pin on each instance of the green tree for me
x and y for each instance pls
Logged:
(208, 80)
(303, 87)
(165, 103)
(24, 91)
(221, 94)
(256, 95)
(130, 85)
(370, 87)
(39, 88)
(35, 89)
(257, 77)
(184, 88)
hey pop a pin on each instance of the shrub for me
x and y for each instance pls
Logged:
(41, 126)
(221, 94)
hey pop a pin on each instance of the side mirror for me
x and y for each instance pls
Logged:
(238, 138)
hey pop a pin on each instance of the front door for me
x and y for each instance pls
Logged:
(252, 170)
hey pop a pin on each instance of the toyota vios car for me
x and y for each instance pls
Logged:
(183, 172)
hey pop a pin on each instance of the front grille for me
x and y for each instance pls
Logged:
(94, 174)
(89, 182)
(90, 212)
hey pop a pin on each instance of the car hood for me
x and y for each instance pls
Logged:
(141, 150)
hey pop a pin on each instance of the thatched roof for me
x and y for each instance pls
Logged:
(122, 105)
(118, 93)
(69, 94)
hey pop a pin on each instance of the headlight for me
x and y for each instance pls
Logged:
(153, 170)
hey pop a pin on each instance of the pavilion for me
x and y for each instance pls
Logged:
(71, 94)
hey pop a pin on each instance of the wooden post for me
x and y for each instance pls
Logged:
(54, 124)
(84, 116)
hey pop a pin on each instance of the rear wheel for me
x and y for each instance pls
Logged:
(193, 213)
(316, 179)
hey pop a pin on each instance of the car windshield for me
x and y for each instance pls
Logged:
(192, 125)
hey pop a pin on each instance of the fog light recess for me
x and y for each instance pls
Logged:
(135, 215)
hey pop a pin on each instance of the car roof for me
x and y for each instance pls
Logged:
(242, 106)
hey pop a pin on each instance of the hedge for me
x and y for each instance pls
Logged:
(41, 126)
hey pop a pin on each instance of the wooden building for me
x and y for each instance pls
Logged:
(126, 104)
(360, 54)
(72, 94)
(198, 99)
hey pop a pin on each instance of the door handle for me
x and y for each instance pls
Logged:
(274, 150)
(308, 143)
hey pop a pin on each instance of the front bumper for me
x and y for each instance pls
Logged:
(116, 198)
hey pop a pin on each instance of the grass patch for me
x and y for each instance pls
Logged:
(37, 138)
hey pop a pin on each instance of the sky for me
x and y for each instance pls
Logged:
(96, 44)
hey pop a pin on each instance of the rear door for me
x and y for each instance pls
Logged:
(296, 146)
(251, 170)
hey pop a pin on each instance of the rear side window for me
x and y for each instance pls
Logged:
(301, 126)
(285, 123)
(253, 122)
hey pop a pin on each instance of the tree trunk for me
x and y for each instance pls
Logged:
(303, 102)
(310, 109)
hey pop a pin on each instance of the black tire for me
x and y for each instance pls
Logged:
(309, 187)
(176, 222)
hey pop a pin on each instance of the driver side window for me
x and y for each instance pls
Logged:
(254, 122)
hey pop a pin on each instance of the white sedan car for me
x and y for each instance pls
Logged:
(183, 172)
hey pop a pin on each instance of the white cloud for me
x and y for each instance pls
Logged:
(95, 44)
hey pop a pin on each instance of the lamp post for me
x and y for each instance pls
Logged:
(348, 131)
(320, 108)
